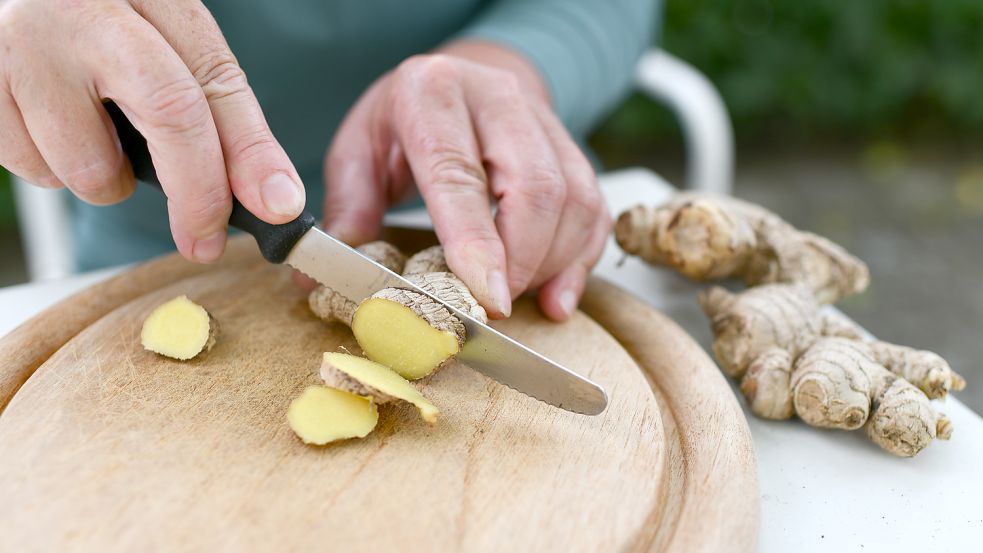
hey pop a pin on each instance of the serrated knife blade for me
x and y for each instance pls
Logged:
(486, 350)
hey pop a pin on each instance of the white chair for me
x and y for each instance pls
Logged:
(692, 97)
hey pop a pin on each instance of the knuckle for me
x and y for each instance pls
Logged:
(179, 106)
(252, 143)
(219, 75)
(521, 271)
(544, 188)
(46, 179)
(476, 240)
(209, 205)
(429, 70)
(35, 172)
(584, 196)
(456, 170)
(507, 83)
(95, 182)
(18, 15)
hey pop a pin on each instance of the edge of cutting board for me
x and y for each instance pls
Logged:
(703, 422)
(713, 466)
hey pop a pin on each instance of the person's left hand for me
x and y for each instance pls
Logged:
(466, 131)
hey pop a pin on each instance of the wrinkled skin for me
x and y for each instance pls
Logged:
(464, 126)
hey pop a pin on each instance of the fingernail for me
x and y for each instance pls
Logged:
(282, 195)
(498, 289)
(208, 249)
(568, 302)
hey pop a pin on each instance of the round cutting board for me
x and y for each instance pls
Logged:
(107, 447)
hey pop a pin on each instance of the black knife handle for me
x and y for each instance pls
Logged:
(274, 241)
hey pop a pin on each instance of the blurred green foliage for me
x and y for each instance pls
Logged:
(794, 70)
(7, 216)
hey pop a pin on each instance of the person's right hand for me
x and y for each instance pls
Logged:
(168, 67)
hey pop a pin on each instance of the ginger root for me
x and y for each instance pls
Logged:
(180, 329)
(710, 237)
(364, 377)
(402, 329)
(794, 359)
(321, 415)
(791, 357)
(333, 306)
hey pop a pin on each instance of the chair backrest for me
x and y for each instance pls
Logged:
(702, 116)
(43, 217)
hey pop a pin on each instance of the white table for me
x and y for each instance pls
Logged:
(821, 490)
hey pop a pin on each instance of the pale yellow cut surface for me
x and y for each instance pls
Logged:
(395, 336)
(321, 415)
(178, 329)
(384, 379)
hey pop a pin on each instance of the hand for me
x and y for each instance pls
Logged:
(465, 132)
(167, 66)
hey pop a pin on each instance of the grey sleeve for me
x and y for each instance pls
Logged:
(585, 49)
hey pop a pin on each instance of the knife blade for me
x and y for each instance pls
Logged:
(334, 264)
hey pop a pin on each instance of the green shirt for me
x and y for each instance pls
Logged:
(308, 61)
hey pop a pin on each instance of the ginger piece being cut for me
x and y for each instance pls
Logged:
(794, 359)
(710, 237)
(429, 260)
(321, 415)
(410, 332)
(180, 329)
(333, 306)
(367, 378)
(405, 330)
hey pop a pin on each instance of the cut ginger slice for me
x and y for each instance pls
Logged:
(397, 336)
(366, 377)
(179, 328)
(321, 415)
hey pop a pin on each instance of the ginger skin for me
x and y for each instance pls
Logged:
(333, 306)
(179, 329)
(711, 237)
(792, 358)
(403, 329)
(367, 378)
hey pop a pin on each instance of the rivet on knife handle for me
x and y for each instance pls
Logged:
(274, 241)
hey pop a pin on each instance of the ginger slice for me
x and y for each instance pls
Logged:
(366, 377)
(180, 329)
(412, 339)
(321, 415)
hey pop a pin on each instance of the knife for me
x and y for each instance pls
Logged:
(334, 264)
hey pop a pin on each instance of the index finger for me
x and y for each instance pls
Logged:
(138, 69)
(260, 173)
(434, 128)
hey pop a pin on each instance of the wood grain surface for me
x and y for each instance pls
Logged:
(107, 447)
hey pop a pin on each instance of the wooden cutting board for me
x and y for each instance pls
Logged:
(107, 447)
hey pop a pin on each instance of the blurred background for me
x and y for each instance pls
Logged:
(862, 121)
